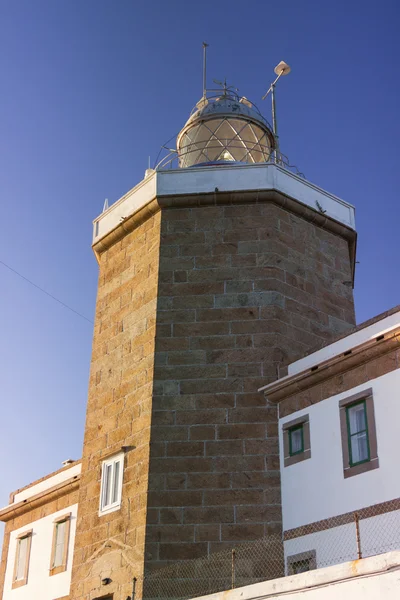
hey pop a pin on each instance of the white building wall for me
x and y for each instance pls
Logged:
(316, 489)
(40, 585)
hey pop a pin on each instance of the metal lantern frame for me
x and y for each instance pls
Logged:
(252, 139)
(232, 131)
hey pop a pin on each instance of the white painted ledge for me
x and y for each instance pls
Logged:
(349, 342)
(203, 180)
(373, 578)
(49, 482)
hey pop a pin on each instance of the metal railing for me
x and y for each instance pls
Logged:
(348, 537)
(172, 160)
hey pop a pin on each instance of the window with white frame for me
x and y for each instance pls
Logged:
(111, 483)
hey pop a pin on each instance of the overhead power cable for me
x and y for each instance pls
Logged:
(45, 292)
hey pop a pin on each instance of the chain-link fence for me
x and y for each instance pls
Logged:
(367, 532)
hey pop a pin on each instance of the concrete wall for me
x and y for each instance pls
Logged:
(372, 578)
(40, 584)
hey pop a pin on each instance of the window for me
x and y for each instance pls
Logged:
(59, 552)
(301, 563)
(358, 431)
(296, 440)
(301, 566)
(111, 484)
(22, 554)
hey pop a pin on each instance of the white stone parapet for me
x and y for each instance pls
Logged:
(373, 578)
(207, 180)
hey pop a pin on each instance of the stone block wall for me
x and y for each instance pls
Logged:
(242, 290)
(197, 308)
(119, 414)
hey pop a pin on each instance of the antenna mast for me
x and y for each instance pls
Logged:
(281, 69)
(205, 45)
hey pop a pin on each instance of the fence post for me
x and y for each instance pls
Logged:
(233, 567)
(357, 523)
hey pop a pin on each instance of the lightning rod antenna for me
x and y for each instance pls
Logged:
(205, 45)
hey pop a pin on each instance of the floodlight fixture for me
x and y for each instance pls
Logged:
(281, 68)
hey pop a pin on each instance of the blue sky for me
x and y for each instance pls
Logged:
(91, 89)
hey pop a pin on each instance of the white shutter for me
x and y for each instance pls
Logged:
(115, 489)
(22, 556)
(59, 544)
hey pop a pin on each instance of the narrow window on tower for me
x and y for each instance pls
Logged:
(22, 555)
(111, 483)
(359, 443)
(59, 551)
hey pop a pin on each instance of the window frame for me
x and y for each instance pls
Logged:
(348, 407)
(111, 460)
(310, 556)
(299, 427)
(288, 457)
(305, 562)
(350, 468)
(16, 583)
(65, 518)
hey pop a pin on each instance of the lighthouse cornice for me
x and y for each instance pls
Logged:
(221, 185)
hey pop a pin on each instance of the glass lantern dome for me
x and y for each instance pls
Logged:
(224, 129)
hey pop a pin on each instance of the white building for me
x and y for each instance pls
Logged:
(39, 537)
(338, 426)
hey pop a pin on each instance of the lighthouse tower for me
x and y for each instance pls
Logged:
(214, 271)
